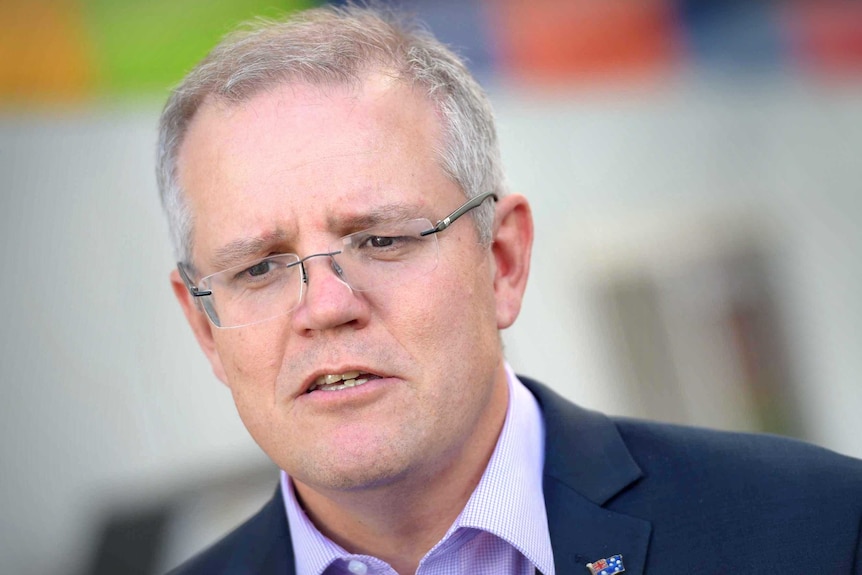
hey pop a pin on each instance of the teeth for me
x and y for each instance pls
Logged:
(343, 385)
(333, 382)
(336, 377)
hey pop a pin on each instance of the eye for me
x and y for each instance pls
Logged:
(390, 242)
(381, 241)
(256, 272)
(259, 268)
(262, 274)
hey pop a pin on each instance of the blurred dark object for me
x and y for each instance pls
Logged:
(131, 543)
(154, 536)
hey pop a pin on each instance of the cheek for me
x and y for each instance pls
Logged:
(252, 363)
(447, 315)
(251, 358)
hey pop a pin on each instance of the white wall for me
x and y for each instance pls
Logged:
(783, 153)
(107, 395)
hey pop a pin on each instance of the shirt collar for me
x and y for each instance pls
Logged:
(313, 550)
(508, 501)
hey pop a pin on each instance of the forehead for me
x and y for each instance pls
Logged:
(299, 159)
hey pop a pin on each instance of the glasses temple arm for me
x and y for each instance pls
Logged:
(448, 220)
(193, 289)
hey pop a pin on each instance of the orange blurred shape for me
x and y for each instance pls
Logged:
(584, 40)
(43, 52)
(827, 35)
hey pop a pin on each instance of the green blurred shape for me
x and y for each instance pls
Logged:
(147, 46)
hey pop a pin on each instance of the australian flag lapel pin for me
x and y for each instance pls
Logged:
(609, 566)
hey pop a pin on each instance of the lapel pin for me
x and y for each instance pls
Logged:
(609, 566)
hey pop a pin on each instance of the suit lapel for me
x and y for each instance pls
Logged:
(270, 542)
(586, 465)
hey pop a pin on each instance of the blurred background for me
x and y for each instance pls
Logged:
(694, 170)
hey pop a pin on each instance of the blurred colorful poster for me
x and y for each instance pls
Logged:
(56, 51)
(69, 51)
(825, 37)
(577, 41)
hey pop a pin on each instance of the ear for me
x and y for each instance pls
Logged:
(513, 241)
(199, 323)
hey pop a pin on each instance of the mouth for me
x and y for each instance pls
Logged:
(341, 381)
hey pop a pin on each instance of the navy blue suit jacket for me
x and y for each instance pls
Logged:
(670, 499)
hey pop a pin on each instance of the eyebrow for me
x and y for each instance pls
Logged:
(393, 212)
(242, 250)
(245, 249)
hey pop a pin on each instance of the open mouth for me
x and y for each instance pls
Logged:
(339, 381)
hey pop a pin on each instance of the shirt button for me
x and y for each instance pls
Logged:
(357, 567)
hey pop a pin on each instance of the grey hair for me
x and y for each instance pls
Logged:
(336, 46)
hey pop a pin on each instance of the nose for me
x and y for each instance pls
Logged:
(327, 301)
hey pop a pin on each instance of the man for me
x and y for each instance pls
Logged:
(347, 256)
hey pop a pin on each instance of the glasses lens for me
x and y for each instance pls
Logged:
(387, 255)
(377, 258)
(253, 292)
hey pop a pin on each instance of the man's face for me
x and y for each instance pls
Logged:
(290, 171)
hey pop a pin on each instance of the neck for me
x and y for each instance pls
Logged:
(399, 522)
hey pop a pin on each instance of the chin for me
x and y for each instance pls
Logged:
(357, 478)
(352, 471)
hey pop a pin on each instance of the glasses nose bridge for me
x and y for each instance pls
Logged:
(332, 264)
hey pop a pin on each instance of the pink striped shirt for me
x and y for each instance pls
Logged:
(502, 529)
